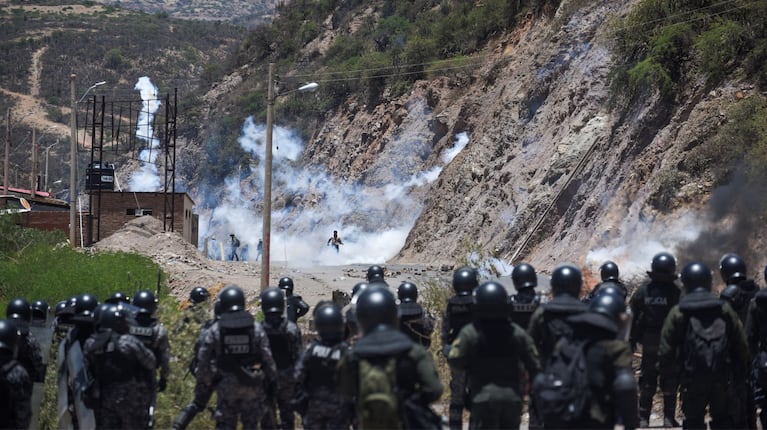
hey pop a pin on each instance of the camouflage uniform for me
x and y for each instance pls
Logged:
(202, 392)
(116, 361)
(315, 377)
(457, 315)
(236, 360)
(15, 395)
(416, 377)
(416, 323)
(30, 355)
(495, 355)
(286, 344)
(723, 393)
(650, 304)
(295, 307)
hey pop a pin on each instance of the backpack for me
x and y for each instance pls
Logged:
(561, 391)
(706, 346)
(378, 403)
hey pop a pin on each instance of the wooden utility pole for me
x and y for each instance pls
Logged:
(267, 215)
(7, 151)
(73, 166)
(33, 185)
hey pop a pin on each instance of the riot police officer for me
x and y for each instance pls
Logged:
(352, 330)
(117, 298)
(739, 289)
(153, 334)
(458, 314)
(318, 401)
(498, 357)
(650, 304)
(295, 306)
(414, 321)
(385, 371)
(703, 341)
(609, 274)
(29, 353)
(375, 273)
(235, 359)
(15, 405)
(286, 344)
(525, 301)
(116, 359)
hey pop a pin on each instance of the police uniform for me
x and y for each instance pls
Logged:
(116, 361)
(316, 378)
(457, 315)
(522, 308)
(236, 360)
(756, 337)
(416, 323)
(286, 344)
(30, 355)
(295, 307)
(549, 322)
(650, 304)
(15, 395)
(739, 295)
(202, 392)
(495, 355)
(721, 392)
(153, 334)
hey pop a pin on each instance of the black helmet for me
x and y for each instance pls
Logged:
(329, 322)
(375, 273)
(608, 271)
(113, 317)
(664, 263)
(491, 301)
(145, 299)
(198, 295)
(118, 297)
(286, 284)
(216, 309)
(732, 268)
(85, 305)
(273, 301)
(9, 339)
(612, 288)
(407, 292)
(566, 279)
(232, 299)
(40, 310)
(465, 280)
(523, 276)
(358, 287)
(19, 309)
(376, 306)
(604, 311)
(696, 276)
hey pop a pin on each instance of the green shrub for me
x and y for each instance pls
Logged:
(720, 47)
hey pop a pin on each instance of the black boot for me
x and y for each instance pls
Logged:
(669, 411)
(185, 417)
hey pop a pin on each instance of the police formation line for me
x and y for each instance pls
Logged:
(567, 359)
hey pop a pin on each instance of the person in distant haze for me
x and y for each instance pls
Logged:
(335, 241)
(234, 245)
(259, 249)
(244, 253)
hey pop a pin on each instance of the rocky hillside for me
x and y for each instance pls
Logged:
(554, 170)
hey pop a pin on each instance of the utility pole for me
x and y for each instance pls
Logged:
(73, 165)
(267, 221)
(7, 151)
(33, 187)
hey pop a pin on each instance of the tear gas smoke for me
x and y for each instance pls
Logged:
(373, 221)
(147, 177)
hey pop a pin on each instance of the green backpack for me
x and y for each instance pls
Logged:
(377, 404)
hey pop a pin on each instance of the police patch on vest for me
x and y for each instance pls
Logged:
(141, 331)
(524, 307)
(656, 301)
(236, 344)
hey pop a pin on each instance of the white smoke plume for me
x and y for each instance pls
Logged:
(147, 177)
(372, 220)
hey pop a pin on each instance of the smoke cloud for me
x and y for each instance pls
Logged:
(147, 177)
(373, 221)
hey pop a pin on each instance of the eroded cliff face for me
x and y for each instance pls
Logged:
(552, 172)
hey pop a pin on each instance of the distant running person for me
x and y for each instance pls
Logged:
(335, 241)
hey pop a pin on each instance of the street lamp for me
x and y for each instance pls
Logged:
(47, 149)
(267, 216)
(90, 88)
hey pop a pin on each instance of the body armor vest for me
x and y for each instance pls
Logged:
(497, 361)
(144, 330)
(321, 365)
(658, 301)
(237, 346)
(112, 366)
(282, 343)
(459, 314)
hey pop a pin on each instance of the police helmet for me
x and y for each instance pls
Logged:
(611, 288)
(117, 297)
(605, 311)
(358, 287)
(9, 339)
(732, 268)
(566, 279)
(491, 301)
(696, 276)
(465, 280)
(663, 263)
(85, 305)
(40, 310)
(286, 284)
(523, 276)
(375, 273)
(199, 295)
(232, 299)
(407, 292)
(146, 299)
(376, 307)
(329, 322)
(273, 301)
(114, 317)
(608, 271)
(19, 309)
